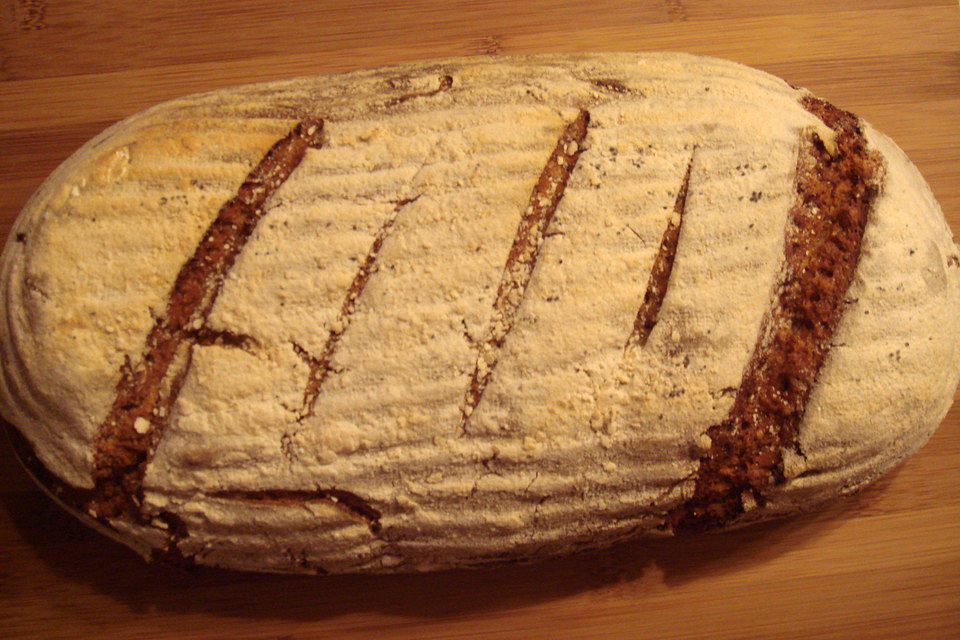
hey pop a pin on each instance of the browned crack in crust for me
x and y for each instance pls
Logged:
(613, 85)
(207, 337)
(446, 81)
(522, 258)
(147, 389)
(320, 367)
(610, 84)
(837, 182)
(662, 268)
(176, 531)
(353, 503)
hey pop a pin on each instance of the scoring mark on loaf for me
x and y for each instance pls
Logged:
(320, 367)
(837, 182)
(522, 257)
(279, 497)
(662, 267)
(148, 388)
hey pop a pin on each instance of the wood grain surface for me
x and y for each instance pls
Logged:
(884, 564)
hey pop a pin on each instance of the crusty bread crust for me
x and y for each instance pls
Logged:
(427, 350)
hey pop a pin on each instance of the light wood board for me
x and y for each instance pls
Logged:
(885, 564)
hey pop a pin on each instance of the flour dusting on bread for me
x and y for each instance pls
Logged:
(476, 309)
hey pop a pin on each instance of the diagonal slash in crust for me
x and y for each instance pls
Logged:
(148, 388)
(522, 258)
(837, 181)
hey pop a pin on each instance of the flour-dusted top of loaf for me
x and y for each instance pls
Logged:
(387, 369)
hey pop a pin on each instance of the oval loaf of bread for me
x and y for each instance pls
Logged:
(452, 313)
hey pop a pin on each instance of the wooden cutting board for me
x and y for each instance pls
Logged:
(885, 564)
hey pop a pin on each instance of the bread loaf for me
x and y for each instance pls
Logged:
(453, 313)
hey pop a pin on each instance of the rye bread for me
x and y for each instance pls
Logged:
(459, 312)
